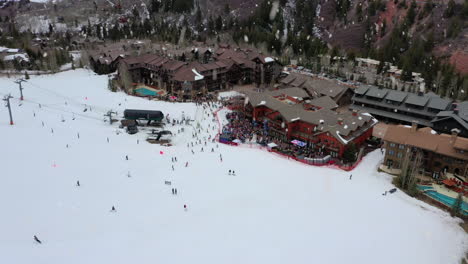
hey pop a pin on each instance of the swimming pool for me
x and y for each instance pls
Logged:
(449, 201)
(145, 92)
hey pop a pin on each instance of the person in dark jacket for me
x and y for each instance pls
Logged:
(37, 240)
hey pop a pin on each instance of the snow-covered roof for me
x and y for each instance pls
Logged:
(198, 76)
(8, 50)
(269, 59)
(20, 56)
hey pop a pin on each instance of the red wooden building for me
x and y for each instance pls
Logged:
(289, 117)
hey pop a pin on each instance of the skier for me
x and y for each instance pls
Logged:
(186, 164)
(212, 149)
(126, 157)
(201, 149)
(233, 173)
(172, 167)
(193, 152)
(185, 207)
(113, 209)
(229, 172)
(175, 191)
(175, 158)
(350, 176)
(37, 240)
(78, 183)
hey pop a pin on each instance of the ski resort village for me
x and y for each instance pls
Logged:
(185, 132)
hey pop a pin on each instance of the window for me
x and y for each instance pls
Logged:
(401, 146)
(392, 145)
(399, 155)
(389, 163)
(391, 152)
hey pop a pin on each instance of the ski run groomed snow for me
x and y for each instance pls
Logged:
(273, 210)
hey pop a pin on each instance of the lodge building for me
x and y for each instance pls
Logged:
(399, 106)
(441, 153)
(188, 80)
(292, 114)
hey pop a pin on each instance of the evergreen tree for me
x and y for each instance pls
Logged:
(450, 9)
(155, 5)
(219, 23)
(457, 206)
(227, 9)
(350, 153)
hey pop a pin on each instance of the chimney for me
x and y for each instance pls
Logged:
(420, 93)
(414, 127)
(455, 133)
(340, 121)
(455, 111)
(354, 113)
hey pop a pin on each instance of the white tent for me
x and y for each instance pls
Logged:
(272, 145)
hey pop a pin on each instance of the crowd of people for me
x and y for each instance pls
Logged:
(240, 128)
(245, 130)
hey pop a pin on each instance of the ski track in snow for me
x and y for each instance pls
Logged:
(273, 211)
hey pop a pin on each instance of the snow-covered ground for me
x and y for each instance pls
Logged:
(273, 211)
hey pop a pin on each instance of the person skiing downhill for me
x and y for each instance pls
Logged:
(350, 176)
(185, 207)
(186, 164)
(78, 183)
(113, 209)
(229, 172)
(37, 240)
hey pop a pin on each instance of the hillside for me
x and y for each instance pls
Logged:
(362, 27)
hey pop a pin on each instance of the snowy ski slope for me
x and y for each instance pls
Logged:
(273, 211)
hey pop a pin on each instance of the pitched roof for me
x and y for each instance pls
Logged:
(326, 120)
(424, 139)
(292, 91)
(324, 102)
(419, 100)
(396, 96)
(362, 90)
(187, 74)
(377, 92)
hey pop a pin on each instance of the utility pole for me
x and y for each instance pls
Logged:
(7, 100)
(109, 114)
(19, 81)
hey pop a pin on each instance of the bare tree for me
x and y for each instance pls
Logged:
(125, 77)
